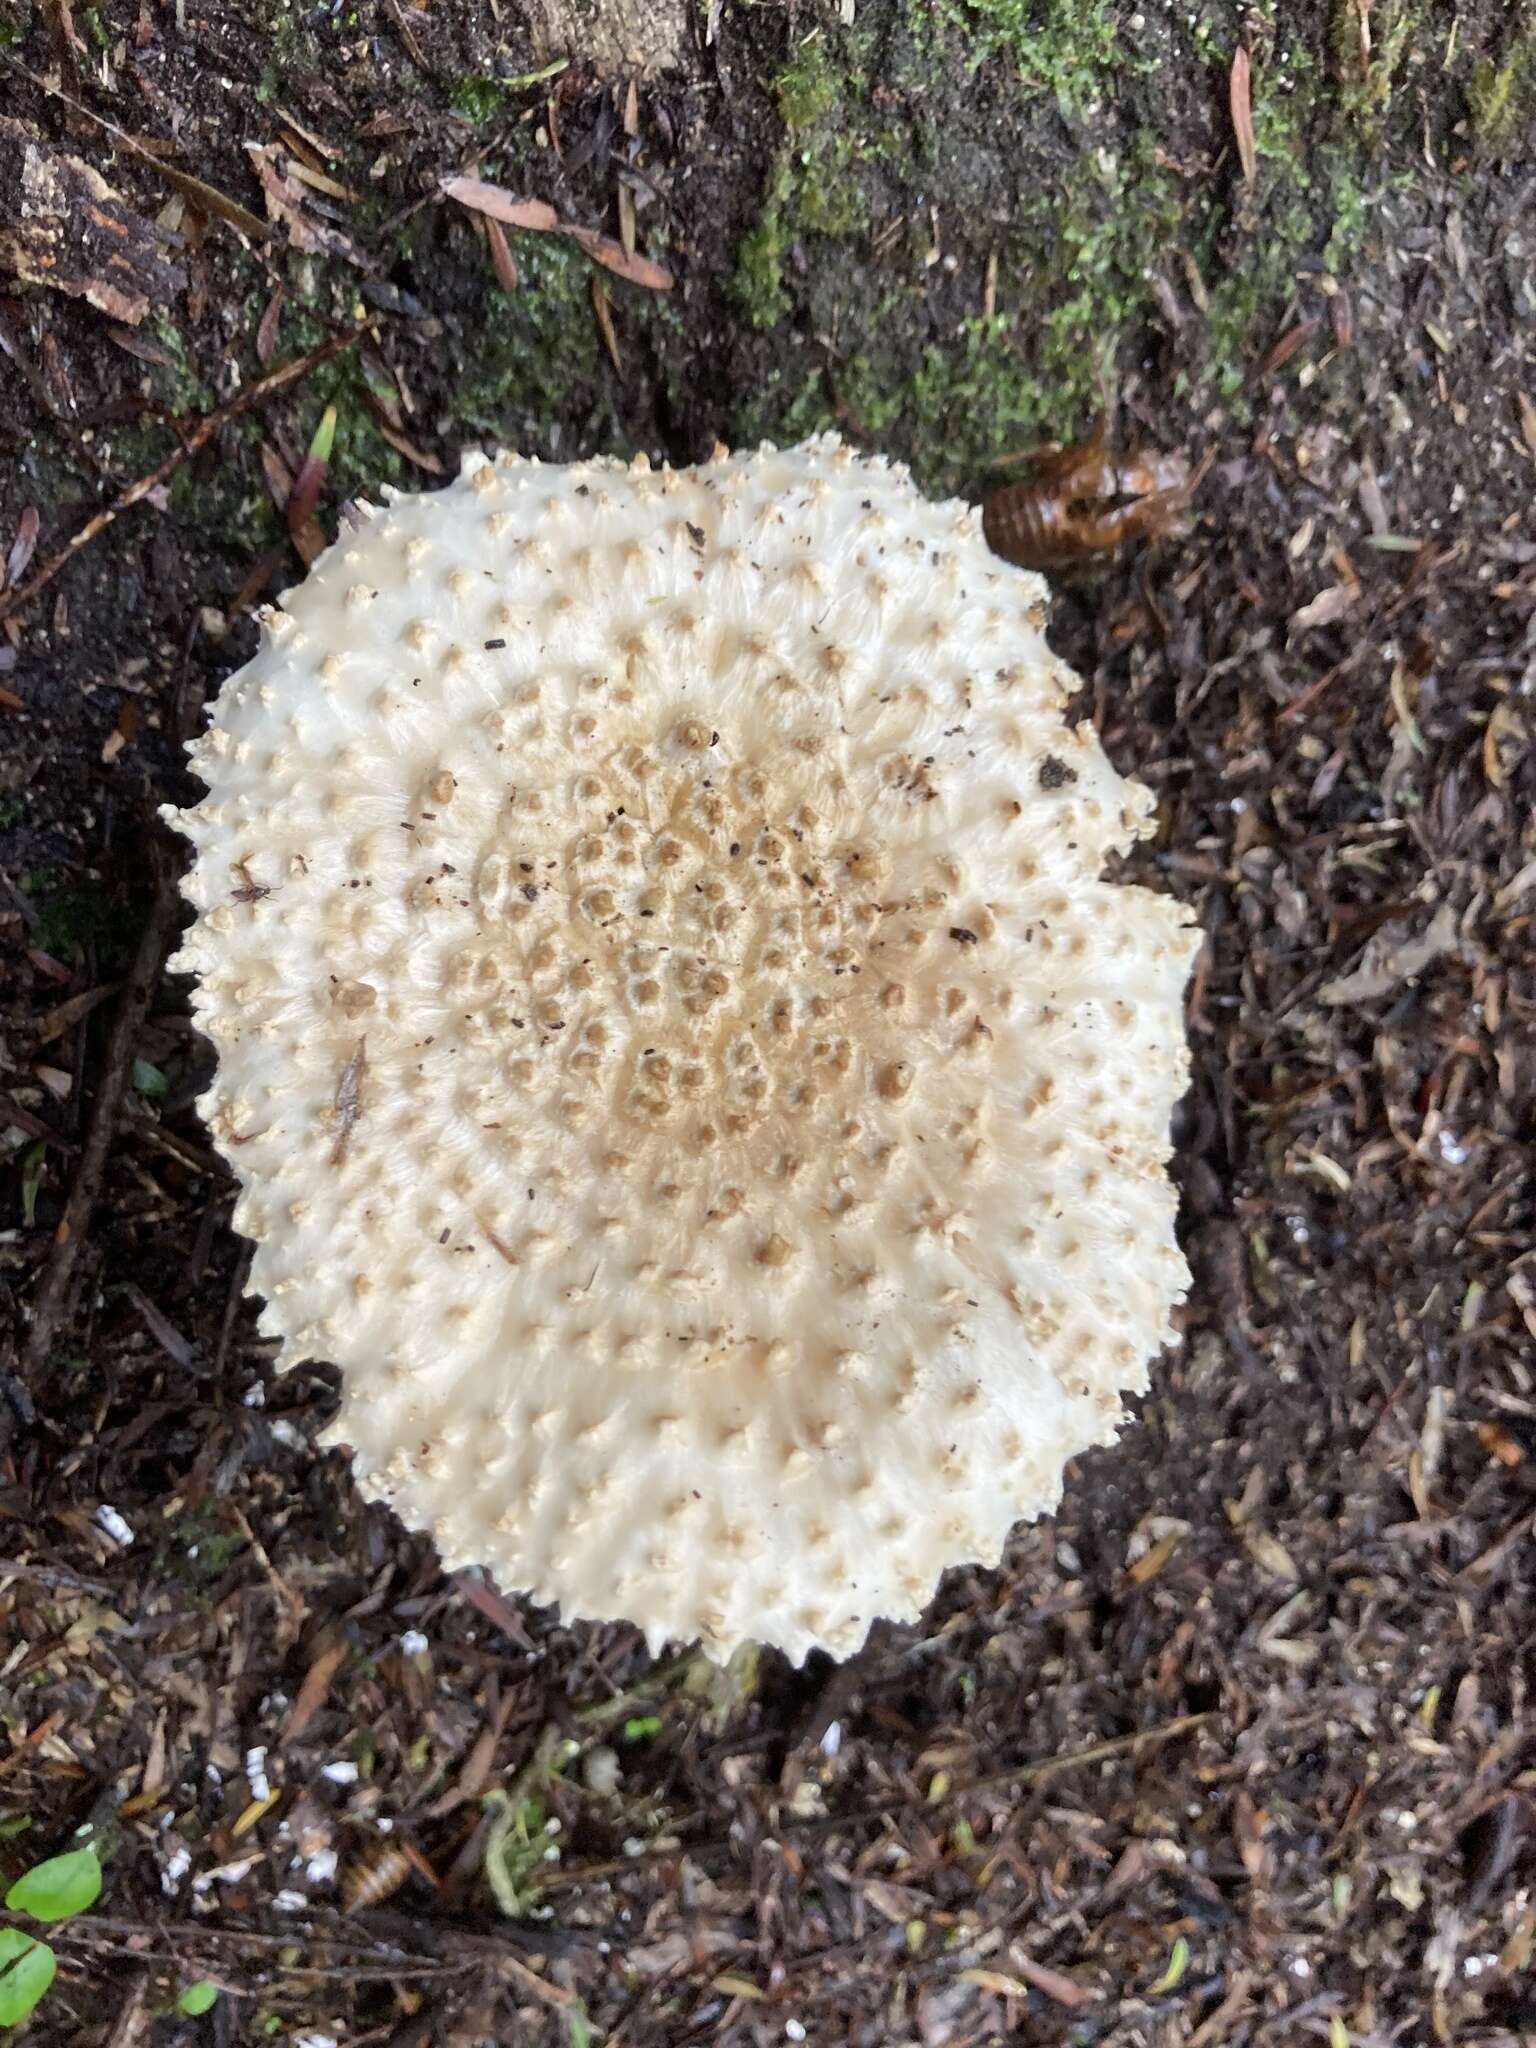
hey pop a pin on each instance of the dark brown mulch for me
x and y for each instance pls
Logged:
(1273, 1653)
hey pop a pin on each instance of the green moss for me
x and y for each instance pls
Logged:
(480, 100)
(815, 187)
(535, 360)
(196, 1549)
(1072, 279)
(74, 915)
(483, 99)
(1499, 95)
(1368, 88)
(1068, 50)
(177, 384)
(808, 89)
(758, 284)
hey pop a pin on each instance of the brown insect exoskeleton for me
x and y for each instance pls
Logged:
(1084, 500)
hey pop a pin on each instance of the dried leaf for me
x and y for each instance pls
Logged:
(266, 331)
(1290, 343)
(1328, 606)
(1269, 1554)
(1055, 1984)
(538, 215)
(278, 475)
(1242, 115)
(403, 445)
(27, 528)
(311, 1695)
(495, 204)
(284, 195)
(1527, 419)
(995, 1981)
(603, 308)
(613, 256)
(501, 255)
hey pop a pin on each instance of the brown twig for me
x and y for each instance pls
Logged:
(253, 395)
(49, 1309)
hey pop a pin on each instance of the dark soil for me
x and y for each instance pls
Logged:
(1274, 1653)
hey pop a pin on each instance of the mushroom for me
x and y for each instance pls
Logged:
(680, 1055)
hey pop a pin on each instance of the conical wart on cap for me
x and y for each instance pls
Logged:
(680, 1055)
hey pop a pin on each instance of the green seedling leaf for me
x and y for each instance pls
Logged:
(310, 481)
(26, 1970)
(58, 1889)
(580, 2031)
(14, 1824)
(1173, 1976)
(641, 1727)
(31, 1180)
(197, 1999)
(148, 1079)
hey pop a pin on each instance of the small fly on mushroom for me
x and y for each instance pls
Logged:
(753, 1191)
(1083, 501)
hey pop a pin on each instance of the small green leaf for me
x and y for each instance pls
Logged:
(26, 1971)
(580, 2031)
(1173, 1976)
(31, 1180)
(325, 436)
(641, 1727)
(14, 1824)
(148, 1079)
(197, 1998)
(59, 1888)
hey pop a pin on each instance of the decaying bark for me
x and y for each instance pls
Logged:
(618, 35)
(62, 225)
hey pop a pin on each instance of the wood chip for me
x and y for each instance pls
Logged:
(73, 233)
(1391, 959)
(1326, 608)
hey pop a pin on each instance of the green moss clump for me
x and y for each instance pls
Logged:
(177, 384)
(1499, 95)
(1066, 49)
(814, 188)
(72, 916)
(536, 358)
(480, 100)
(807, 90)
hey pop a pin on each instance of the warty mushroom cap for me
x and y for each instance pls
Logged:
(682, 1060)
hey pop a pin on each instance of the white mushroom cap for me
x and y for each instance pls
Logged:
(681, 1057)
